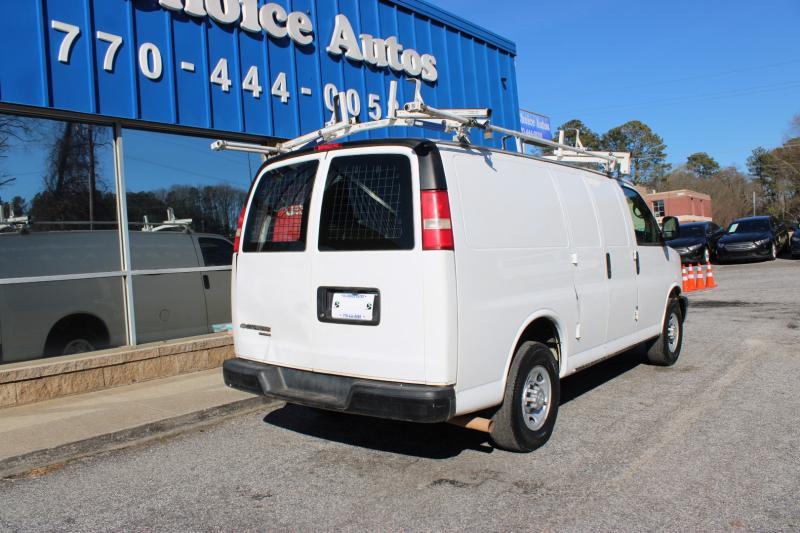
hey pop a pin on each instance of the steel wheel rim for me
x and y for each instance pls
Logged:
(536, 397)
(78, 346)
(706, 256)
(673, 332)
(774, 251)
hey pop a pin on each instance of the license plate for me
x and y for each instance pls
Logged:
(352, 306)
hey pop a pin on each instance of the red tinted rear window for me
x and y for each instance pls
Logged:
(278, 216)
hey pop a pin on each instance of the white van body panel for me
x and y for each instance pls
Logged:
(512, 257)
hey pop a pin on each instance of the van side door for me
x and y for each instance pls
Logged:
(216, 253)
(168, 302)
(588, 257)
(619, 265)
(651, 259)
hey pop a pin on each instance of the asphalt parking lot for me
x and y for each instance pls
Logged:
(712, 443)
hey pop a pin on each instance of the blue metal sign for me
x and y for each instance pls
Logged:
(249, 66)
(535, 124)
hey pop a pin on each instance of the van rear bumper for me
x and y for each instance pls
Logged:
(396, 401)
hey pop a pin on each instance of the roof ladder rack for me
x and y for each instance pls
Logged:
(459, 122)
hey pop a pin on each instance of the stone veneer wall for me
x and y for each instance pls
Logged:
(44, 379)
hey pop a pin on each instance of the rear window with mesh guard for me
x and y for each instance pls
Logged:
(367, 204)
(278, 217)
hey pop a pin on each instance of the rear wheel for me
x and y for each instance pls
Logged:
(664, 350)
(528, 413)
(76, 334)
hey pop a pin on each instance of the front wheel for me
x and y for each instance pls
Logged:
(706, 256)
(527, 416)
(773, 252)
(664, 350)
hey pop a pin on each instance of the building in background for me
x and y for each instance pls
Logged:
(684, 204)
(116, 217)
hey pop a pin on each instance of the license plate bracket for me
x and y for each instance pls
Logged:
(349, 305)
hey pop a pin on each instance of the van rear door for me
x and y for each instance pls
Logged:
(273, 306)
(368, 267)
(332, 277)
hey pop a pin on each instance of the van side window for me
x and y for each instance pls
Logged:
(278, 216)
(644, 224)
(216, 252)
(367, 204)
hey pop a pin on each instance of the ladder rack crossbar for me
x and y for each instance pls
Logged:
(419, 114)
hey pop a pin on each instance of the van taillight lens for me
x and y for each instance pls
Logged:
(238, 237)
(437, 228)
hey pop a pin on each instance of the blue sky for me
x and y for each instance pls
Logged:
(707, 75)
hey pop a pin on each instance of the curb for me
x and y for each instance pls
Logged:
(19, 466)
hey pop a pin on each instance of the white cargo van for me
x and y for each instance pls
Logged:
(54, 316)
(422, 281)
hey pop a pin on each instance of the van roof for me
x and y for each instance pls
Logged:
(419, 144)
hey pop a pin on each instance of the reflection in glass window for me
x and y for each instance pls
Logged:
(183, 204)
(58, 217)
(58, 206)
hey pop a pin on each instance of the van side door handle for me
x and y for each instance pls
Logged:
(206, 282)
(636, 260)
(608, 265)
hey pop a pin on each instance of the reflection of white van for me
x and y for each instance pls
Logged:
(42, 316)
(419, 281)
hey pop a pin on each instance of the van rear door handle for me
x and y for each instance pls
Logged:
(206, 282)
(608, 265)
(636, 260)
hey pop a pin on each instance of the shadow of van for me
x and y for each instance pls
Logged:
(431, 441)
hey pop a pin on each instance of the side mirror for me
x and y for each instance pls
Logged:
(670, 226)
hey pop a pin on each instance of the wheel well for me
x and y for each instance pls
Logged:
(676, 292)
(545, 331)
(82, 322)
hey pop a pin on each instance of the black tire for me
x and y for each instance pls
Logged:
(509, 428)
(65, 340)
(659, 350)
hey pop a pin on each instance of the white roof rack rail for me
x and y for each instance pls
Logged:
(170, 223)
(459, 122)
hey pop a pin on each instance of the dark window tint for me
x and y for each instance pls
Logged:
(749, 226)
(367, 204)
(644, 224)
(216, 252)
(278, 216)
(691, 230)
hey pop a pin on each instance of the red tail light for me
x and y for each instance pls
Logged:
(326, 147)
(437, 228)
(238, 238)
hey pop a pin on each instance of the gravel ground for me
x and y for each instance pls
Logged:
(711, 443)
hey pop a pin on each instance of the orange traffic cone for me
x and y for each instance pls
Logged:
(710, 283)
(685, 280)
(690, 286)
(701, 280)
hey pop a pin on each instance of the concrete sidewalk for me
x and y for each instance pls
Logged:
(58, 430)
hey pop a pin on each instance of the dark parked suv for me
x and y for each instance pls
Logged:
(795, 242)
(696, 241)
(752, 238)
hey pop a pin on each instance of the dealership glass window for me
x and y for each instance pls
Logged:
(658, 208)
(58, 220)
(183, 202)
